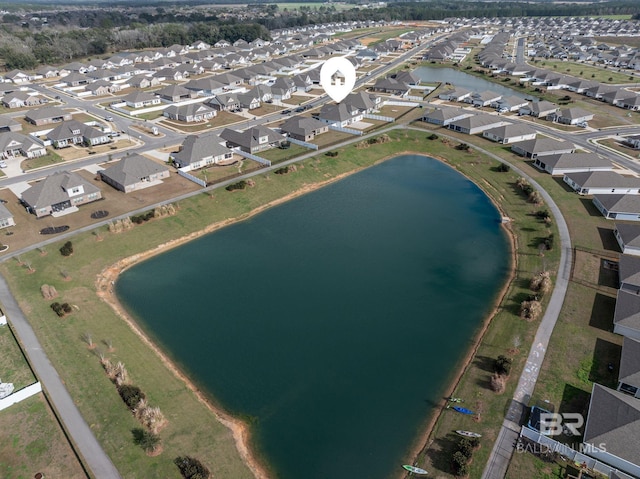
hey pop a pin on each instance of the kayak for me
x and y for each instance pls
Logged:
(414, 469)
(462, 410)
(468, 433)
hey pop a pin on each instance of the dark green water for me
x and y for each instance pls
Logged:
(334, 320)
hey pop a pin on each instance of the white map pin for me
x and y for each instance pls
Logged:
(338, 77)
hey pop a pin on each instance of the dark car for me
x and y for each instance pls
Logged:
(300, 109)
(286, 112)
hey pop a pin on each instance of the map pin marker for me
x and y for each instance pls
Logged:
(338, 77)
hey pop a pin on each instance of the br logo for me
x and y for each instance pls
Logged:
(569, 423)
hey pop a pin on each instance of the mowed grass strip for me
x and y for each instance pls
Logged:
(13, 365)
(33, 442)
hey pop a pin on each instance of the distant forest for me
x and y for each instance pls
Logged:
(25, 42)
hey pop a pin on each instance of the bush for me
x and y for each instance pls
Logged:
(541, 283)
(535, 197)
(504, 168)
(502, 365)
(66, 249)
(498, 383)
(432, 136)
(466, 446)
(543, 214)
(548, 242)
(462, 147)
(149, 441)
(530, 310)
(61, 309)
(460, 463)
(191, 468)
(131, 395)
(282, 171)
(332, 154)
(143, 217)
(240, 185)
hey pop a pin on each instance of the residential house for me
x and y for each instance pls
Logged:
(391, 86)
(457, 94)
(6, 217)
(134, 173)
(15, 144)
(542, 146)
(304, 128)
(612, 429)
(510, 133)
(561, 164)
(175, 93)
(21, 99)
(140, 99)
(252, 140)
(628, 237)
(143, 81)
(618, 207)
(629, 375)
(283, 88)
(472, 125)
(538, 109)
(17, 77)
(629, 278)
(225, 102)
(73, 132)
(192, 112)
(47, 115)
(47, 71)
(341, 114)
(572, 116)
(198, 151)
(510, 103)
(249, 100)
(363, 101)
(9, 124)
(602, 183)
(59, 192)
(445, 115)
(485, 98)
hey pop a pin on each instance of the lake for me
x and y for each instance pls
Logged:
(461, 79)
(332, 323)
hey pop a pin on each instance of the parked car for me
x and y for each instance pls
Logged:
(286, 112)
(3, 164)
(108, 118)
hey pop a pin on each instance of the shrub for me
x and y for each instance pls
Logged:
(466, 447)
(502, 365)
(459, 462)
(535, 197)
(504, 168)
(332, 154)
(66, 249)
(541, 283)
(530, 309)
(131, 395)
(543, 214)
(150, 417)
(497, 383)
(191, 468)
(149, 441)
(240, 185)
(432, 136)
(282, 171)
(548, 242)
(57, 308)
(462, 147)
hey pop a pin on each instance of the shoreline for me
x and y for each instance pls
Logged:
(107, 277)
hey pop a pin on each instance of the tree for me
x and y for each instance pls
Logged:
(147, 440)
(191, 468)
(131, 395)
(66, 249)
(502, 365)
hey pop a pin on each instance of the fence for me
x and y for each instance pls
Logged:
(18, 396)
(345, 130)
(401, 103)
(260, 160)
(388, 119)
(311, 146)
(578, 458)
(189, 177)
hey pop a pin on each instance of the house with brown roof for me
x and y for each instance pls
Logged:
(47, 115)
(304, 128)
(192, 112)
(252, 140)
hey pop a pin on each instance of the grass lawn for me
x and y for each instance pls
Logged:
(51, 158)
(152, 115)
(33, 442)
(586, 71)
(13, 364)
(216, 173)
(276, 155)
(618, 146)
(631, 41)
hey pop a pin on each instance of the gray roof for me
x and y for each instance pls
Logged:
(4, 212)
(131, 169)
(47, 112)
(620, 203)
(53, 189)
(629, 270)
(173, 90)
(195, 148)
(510, 130)
(188, 109)
(542, 106)
(614, 420)
(568, 160)
(543, 144)
(629, 233)
(444, 113)
(340, 112)
(138, 96)
(603, 179)
(475, 121)
(630, 362)
(573, 113)
(250, 138)
(301, 125)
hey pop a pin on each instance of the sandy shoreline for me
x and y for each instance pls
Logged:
(106, 279)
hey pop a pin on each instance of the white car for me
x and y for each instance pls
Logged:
(3, 164)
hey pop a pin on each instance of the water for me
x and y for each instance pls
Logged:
(333, 321)
(461, 79)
